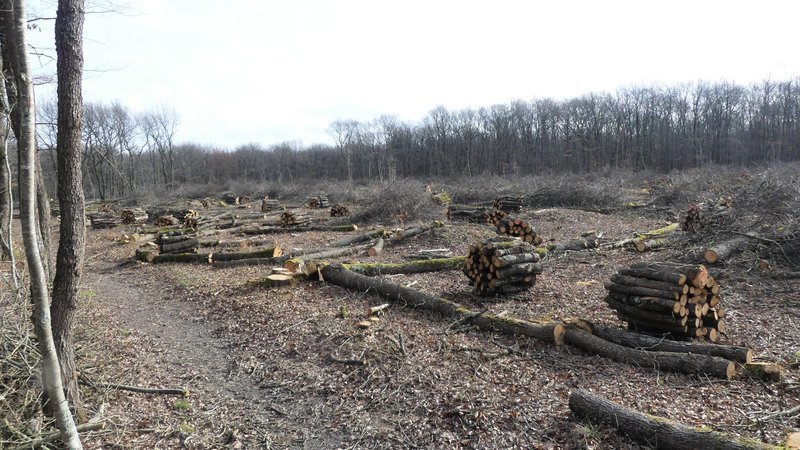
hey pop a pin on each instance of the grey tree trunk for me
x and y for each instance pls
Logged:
(14, 32)
(69, 260)
(6, 198)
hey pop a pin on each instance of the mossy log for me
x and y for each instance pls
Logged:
(338, 275)
(294, 264)
(687, 363)
(415, 266)
(658, 432)
(643, 342)
(193, 258)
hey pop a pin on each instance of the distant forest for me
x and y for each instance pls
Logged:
(655, 128)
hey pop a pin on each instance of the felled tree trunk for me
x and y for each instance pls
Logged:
(416, 266)
(725, 250)
(338, 275)
(673, 362)
(658, 432)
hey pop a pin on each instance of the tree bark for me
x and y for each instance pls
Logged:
(644, 342)
(674, 362)
(6, 195)
(724, 250)
(658, 432)
(416, 266)
(51, 373)
(70, 257)
(338, 275)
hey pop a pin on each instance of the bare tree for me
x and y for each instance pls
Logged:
(14, 30)
(69, 260)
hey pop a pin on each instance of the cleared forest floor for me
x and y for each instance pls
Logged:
(276, 367)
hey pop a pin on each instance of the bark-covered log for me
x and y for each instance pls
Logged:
(299, 229)
(655, 272)
(643, 342)
(572, 245)
(294, 264)
(270, 252)
(626, 280)
(725, 250)
(657, 304)
(416, 266)
(376, 249)
(195, 258)
(635, 312)
(357, 239)
(687, 363)
(765, 371)
(653, 431)
(411, 232)
(338, 275)
(641, 291)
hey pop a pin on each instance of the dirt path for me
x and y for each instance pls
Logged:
(185, 349)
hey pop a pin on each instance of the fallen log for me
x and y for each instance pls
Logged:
(270, 252)
(376, 249)
(411, 232)
(654, 431)
(357, 239)
(644, 342)
(338, 275)
(687, 363)
(572, 245)
(725, 250)
(300, 229)
(295, 263)
(764, 371)
(416, 266)
(196, 258)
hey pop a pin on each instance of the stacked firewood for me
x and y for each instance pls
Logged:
(165, 221)
(270, 204)
(320, 201)
(245, 200)
(294, 219)
(512, 226)
(508, 204)
(191, 219)
(682, 302)
(339, 210)
(230, 198)
(180, 243)
(133, 215)
(104, 220)
(694, 220)
(501, 268)
(469, 213)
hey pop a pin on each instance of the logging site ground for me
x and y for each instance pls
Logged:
(304, 364)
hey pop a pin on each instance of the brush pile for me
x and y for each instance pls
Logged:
(681, 302)
(501, 267)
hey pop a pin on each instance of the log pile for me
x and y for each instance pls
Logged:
(133, 215)
(318, 202)
(503, 268)
(230, 198)
(512, 226)
(191, 219)
(104, 220)
(165, 221)
(693, 220)
(682, 302)
(270, 204)
(294, 219)
(508, 204)
(339, 210)
(470, 213)
(174, 244)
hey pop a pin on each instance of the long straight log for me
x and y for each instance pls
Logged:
(270, 252)
(416, 266)
(294, 264)
(653, 431)
(626, 280)
(299, 229)
(687, 363)
(411, 232)
(196, 258)
(646, 325)
(656, 304)
(338, 275)
(655, 273)
(644, 342)
(357, 239)
(635, 312)
(641, 291)
(520, 269)
(572, 245)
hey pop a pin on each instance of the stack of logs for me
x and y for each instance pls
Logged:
(318, 202)
(133, 215)
(470, 213)
(180, 243)
(501, 267)
(693, 220)
(339, 210)
(165, 221)
(508, 204)
(104, 220)
(191, 220)
(512, 226)
(294, 219)
(270, 204)
(681, 302)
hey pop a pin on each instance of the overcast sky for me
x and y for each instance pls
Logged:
(268, 71)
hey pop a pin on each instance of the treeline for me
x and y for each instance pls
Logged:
(656, 128)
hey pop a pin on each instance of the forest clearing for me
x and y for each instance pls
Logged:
(271, 357)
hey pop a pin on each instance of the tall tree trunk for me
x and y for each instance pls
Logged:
(15, 38)
(6, 196)
(69, 261)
